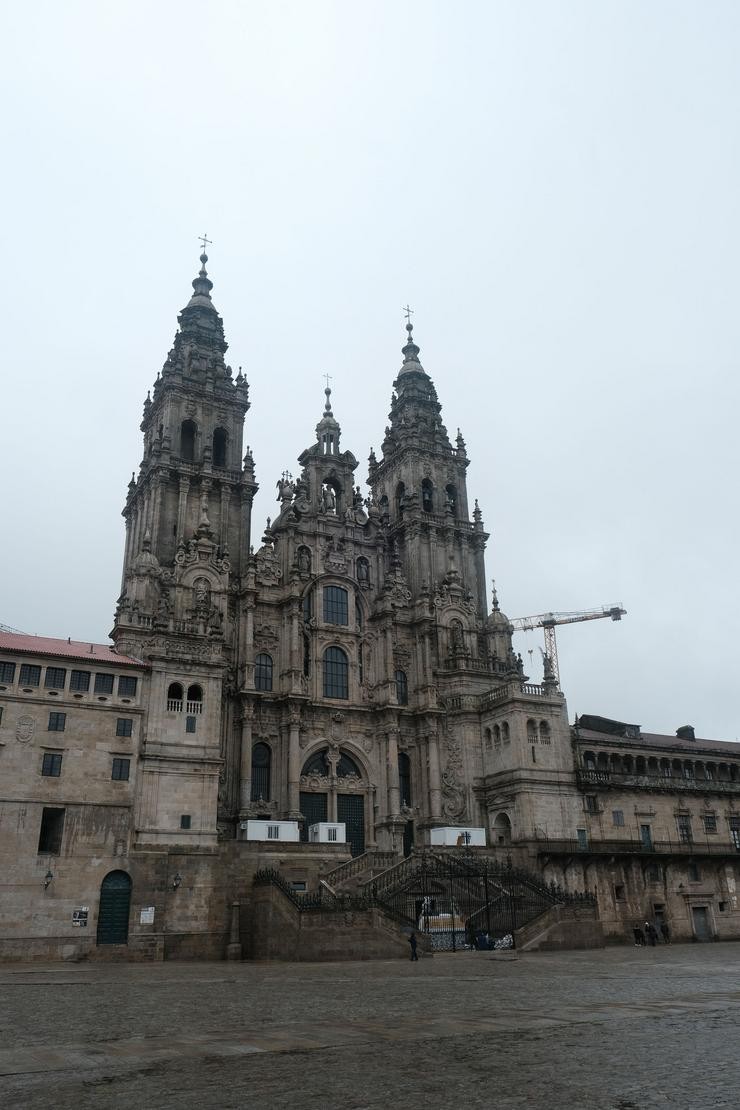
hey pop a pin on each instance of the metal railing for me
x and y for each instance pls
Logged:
(636, 846)
(174, 705)
(355, 866)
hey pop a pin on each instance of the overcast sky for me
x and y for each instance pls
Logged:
(552, 186)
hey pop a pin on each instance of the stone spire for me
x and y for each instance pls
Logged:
(328, 429)
(410, 352)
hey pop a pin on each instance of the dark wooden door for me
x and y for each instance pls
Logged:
(113, 911)
(314, 810)
(351, 810)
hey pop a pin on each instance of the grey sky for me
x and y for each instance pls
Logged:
(553, 186)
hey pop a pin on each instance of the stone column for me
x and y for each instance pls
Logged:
(224, 520)
(294, 764)
(435, 787)
(394, 786)
(157, 513)
(245, 771)
(182, 507)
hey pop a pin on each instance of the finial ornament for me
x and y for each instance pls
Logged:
(204, 240)
(494, 595)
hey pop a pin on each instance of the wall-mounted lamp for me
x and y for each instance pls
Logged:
(47, 879)
(176, 881)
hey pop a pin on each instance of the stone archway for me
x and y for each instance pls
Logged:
(334, 787)
(501, 830)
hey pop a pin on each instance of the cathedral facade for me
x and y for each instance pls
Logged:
(342, 670)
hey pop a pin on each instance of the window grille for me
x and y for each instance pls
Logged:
(121, 768)
(335, 605)
(190, 724)
(7, 672)
(103, 683)
(124, 726)
(618, 817)
(261, 761)
(30, 675)
(79, 681)
(51, 765)
(331, 834)
(127, 686)
(56, 678)
(273, 832)
(263, 672)
(336, 673)
(57, 722)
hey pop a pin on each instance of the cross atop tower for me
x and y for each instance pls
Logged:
(408, 313)
(203, 240)
(328, 378)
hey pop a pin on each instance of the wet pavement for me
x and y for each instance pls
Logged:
(619, 1029)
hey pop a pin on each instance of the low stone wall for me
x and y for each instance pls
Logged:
(278, 931)
(561, 927)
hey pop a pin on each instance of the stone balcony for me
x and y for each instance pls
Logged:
(655, 784)
(635, 846)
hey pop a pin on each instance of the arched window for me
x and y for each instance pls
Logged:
(502, 829)
(489, 738)
(174, 698)
(427, 496)
(308, 606)
(589, 761)
(195, 699)
(404, 778)
(531, 731)
(335, 605)
(451, 492)
(263, 672)
(220, 442)
(665, 769)
(505, 732)
(261, 761)
(402, 688)
(640, 765)
(496, 735)
(188, 432)
(347, 766)
(400, 498)
(384, 505)
(317, 764)
(336, 672)
(544, 732)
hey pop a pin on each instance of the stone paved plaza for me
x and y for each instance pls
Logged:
(620, 1029)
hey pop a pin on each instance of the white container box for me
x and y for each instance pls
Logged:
(324, 832)
(272, 831)
(458, 837)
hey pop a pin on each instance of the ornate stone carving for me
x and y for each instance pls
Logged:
(453, 792)
(267, 569)
(25, 729)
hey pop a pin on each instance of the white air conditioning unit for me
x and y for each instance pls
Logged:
(458, 837)
(271, 831)
(327, 832)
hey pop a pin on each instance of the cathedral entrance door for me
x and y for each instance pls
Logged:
(314, 809)
(351, 810)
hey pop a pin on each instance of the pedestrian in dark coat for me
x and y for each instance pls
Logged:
(639, 936)
(652, 933)
(665, 932)
(412, 942)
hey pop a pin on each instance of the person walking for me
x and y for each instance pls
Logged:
(652, 933)
(639, 937)
(665, 932)
(412, 942)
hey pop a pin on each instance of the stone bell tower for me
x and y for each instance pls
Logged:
(187, 543)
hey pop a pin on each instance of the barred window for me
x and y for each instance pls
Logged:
(710, 823)
(261, 760)
(263, 672)
(51, 765)
(30, 675)
(120, 770)
(7, 672)
(80, 681)
(335, 605)
(402, 688)
(103, 683)
(127, 686)
(56, 678)
(336, 670)
(618, 817)
(124, 726)
(57, 722)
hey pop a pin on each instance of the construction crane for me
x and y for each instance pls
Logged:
(7, 628)
(548, 622)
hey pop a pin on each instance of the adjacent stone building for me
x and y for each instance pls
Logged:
(342, 670)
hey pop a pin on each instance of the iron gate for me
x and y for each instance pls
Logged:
(461, 902)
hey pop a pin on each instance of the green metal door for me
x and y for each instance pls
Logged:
(351, 810)
(113, 910)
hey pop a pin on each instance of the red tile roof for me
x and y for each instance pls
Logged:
(656, 740)
(71, 649)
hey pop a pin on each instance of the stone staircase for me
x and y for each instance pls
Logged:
(359, 870)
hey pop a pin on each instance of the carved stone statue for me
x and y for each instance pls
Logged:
(329, 500)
